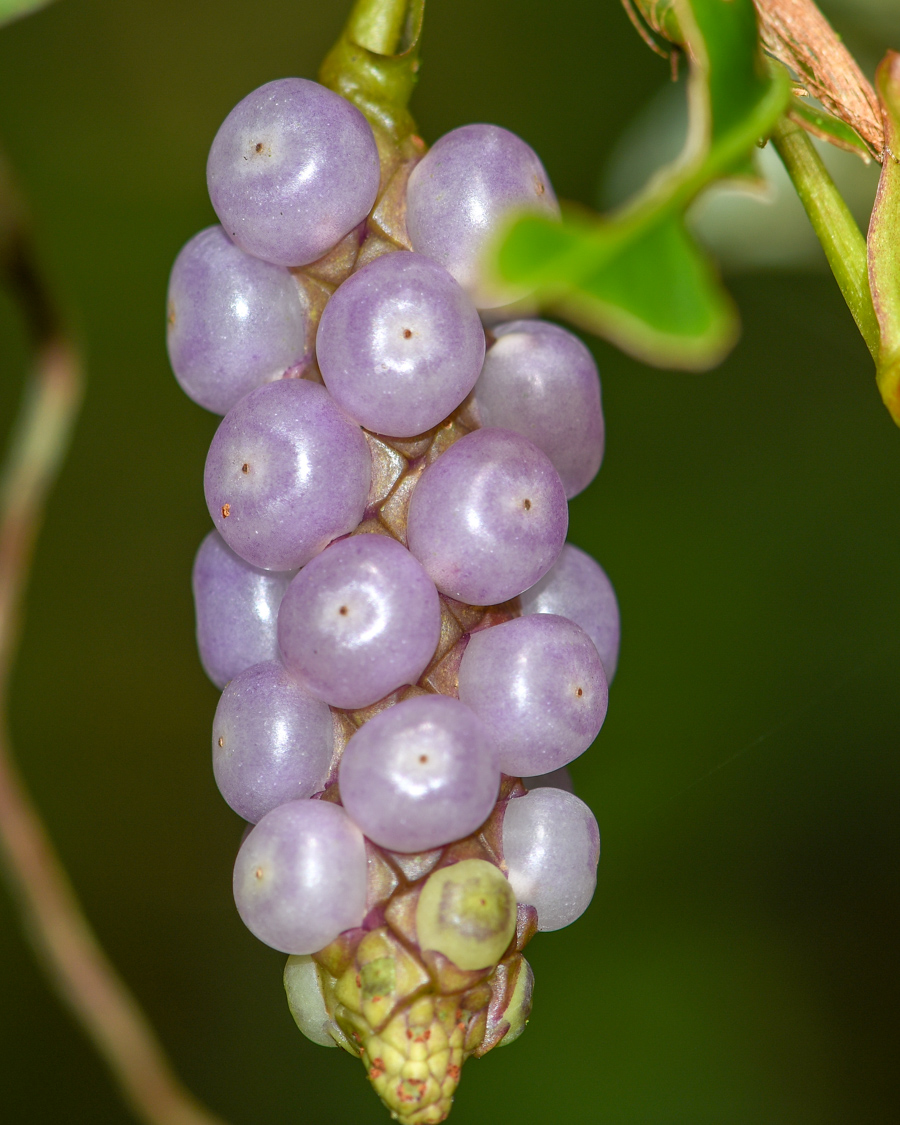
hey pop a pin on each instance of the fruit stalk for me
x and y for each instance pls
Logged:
(375, 63)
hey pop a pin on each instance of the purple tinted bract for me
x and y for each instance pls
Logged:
(293, 168)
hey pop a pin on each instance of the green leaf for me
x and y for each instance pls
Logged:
(659, 300)
(13, 9)
(721, 38)
(637, 276)
(652, 291)
(829, 128)
(884, 237)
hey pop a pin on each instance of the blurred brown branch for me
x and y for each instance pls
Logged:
(797, 34)
(51, 914)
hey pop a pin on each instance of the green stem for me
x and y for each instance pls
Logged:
(835, 227)
(379, 25)
(375, 63)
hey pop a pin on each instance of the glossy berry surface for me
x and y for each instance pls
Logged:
(462, 191)
(488, 518)
(387, 499)
(577, 587)
(300, 876)
(234, 322)
(359, 621)
(271, 743)
(236, 605)
(293, 168)
(420, 774)
(400, 345)
(541, 381)
(286, 473)
(539, 686)
(551, 845)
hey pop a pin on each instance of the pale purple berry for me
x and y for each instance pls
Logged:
(461, 193)
(286, 473)
(551, 845)
(300, 876)
(359, 621)
(237, 610)
(272, 742)
(539, 686)
(577, 587)
(293, 168)
(400, 345)
(541, 381)
(488, 517)
(420, 774)
(234, 322)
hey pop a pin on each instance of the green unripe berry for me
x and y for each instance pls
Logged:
(467, 912)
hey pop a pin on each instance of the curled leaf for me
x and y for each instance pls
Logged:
(637, 276)
(796, 34)
(659, 300)
(829, 128)
(884, 238)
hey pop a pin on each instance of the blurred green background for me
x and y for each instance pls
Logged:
(738, 963)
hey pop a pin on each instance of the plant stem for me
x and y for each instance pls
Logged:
(51, 914)
(835, 227)
(884, 237)
(375, 63)
(379, 25)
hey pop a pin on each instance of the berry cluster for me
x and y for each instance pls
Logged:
(388, 601)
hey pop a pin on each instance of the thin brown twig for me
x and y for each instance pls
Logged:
(52, 916)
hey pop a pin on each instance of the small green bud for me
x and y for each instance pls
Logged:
(305, 999)
(519, 1008)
